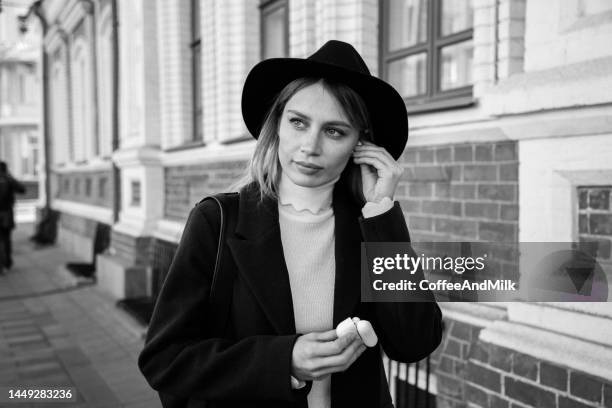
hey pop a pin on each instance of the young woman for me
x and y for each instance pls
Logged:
(321, 180)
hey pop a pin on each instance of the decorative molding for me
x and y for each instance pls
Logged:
(139, 156)
(89, 211)
(558, 123)
(19, 121)
(73, 13)
(585, 326)
(575, 85)
(559, 349)
(211, 152)
(475, 314)
(170, 231)
(96, 164)
(55, 38)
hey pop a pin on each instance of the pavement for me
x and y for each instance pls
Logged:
(56, 334)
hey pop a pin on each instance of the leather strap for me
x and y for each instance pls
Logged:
(223, 277)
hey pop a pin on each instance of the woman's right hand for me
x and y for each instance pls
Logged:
(319, 354)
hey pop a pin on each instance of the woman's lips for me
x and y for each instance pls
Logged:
(307, 168)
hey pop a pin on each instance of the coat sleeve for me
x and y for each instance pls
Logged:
(408, 331)
(181, 358)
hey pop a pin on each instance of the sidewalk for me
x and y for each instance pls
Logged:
(53, 334)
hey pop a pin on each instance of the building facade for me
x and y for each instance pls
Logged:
(510, 140)
(20, 107)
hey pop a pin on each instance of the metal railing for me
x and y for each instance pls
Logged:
(411, 384)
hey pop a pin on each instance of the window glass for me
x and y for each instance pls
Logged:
(407, 23)
(457, 15)
(427, 50)
(408, 75)
(456, 65)
(196, 66)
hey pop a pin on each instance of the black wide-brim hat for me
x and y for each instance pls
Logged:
(337, 61)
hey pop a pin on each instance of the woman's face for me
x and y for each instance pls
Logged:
(316, 139)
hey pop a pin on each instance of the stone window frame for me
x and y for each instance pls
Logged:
(105, 81)
(60, 122)
(82, 94)
(434, 99)
(195, 46)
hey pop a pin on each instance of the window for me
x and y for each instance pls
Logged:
(102, 182)
(105, 84)
(135, 202)
(88, 187)
(60, 131)
(81, 107)
(274, 29)
(427, 51)
(196, 65)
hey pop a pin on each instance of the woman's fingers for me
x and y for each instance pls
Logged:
(379, 164)
(340, 362)
(333, 348)
(328, 335)
(381, 155)
(374, 149)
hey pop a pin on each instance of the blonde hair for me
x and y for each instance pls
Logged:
(264, 167)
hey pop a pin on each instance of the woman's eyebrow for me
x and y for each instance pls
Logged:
(333, 122)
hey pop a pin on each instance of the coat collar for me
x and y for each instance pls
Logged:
(258, 253)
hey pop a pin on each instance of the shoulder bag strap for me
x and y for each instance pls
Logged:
(223, 277)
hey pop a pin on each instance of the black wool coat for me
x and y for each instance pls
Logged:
(252, 366)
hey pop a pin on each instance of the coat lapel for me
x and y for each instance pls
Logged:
(348, 243)
(258, 253)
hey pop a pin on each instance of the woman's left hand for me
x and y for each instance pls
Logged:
(380, 173)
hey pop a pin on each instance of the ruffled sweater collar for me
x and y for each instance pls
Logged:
(311, 199)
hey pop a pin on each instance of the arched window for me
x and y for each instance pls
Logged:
(105, 83)
(82, 102)
(60, 133)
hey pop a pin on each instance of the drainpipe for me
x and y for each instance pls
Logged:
(35, 9)
(115, 113)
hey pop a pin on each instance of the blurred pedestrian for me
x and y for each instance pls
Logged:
(8, 187)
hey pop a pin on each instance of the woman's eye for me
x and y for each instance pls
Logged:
(297, 123)
(335, 132)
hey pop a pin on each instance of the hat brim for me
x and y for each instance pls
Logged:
(385, 105)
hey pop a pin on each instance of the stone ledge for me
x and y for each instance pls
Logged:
(576, 354)
(561, 87)
(475, 314)
(591, 327)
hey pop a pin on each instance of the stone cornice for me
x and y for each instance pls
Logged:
(140, 156)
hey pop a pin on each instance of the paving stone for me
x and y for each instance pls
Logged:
(75, 338)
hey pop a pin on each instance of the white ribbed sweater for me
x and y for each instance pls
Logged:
(306, 221)
(308, 246)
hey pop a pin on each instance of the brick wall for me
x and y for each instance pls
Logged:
(500, 377)
(474, 373)
(95, 188)
(464, 192)
(450, 360)
(186, 185)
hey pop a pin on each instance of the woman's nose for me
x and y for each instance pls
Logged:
(311, 143)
